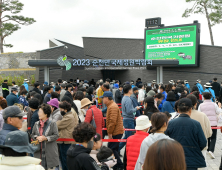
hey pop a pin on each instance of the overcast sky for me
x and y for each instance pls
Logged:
(70, 20)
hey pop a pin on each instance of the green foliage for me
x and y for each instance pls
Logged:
(13, 52)
(19, 80)
(211, 7)
(10, 23)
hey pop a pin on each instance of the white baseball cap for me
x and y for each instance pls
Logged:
(142, 122)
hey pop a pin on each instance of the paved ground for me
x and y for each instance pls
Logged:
(214, 164)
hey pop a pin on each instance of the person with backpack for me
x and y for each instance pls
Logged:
(93, 115)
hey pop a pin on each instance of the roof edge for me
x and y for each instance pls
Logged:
(59, 44)
(115, 38)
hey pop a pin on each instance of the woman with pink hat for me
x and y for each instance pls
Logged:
(55, 115)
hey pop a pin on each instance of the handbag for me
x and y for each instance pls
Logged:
(36, 143)
(93, 123)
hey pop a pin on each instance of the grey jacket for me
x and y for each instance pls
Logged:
(147, 142)
(55, 116)
(127, 108)
(62, 93)
(1, 120)
(51, 149)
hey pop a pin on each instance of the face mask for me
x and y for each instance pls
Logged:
(90, 144)
(86, 110)
(63, 113)
(158, 90)
(136, 93)
(17, 94)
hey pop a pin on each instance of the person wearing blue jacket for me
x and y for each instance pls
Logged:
(133, 97)
(188, 132)
(22, 98)
(26, 84)
(209, 90)
(200, 87)
(187, 85)
(169, 104)
(162, 90)
(128, 113)
(12, 98)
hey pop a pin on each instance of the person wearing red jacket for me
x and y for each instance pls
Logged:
(134, 142)
(93, 112)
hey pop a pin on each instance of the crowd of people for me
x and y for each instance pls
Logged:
(162, 127)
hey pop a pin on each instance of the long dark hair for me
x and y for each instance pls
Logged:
(157, 120)
(169, 87)
(151, 108)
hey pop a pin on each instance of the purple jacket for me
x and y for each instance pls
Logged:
(211, 110)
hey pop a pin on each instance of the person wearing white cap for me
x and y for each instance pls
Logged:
(159, 122)
(154, 85)
(171, 82)
(200, 87)
(187, 85)
(26, 81)
(134, 142)
(209, 90)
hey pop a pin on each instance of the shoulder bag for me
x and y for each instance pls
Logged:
(93, 123)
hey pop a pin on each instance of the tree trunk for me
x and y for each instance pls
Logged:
(209, 25)
(1, 45)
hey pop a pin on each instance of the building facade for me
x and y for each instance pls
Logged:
(121, 48)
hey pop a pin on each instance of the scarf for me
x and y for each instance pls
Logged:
(43, 144)
(42, 124)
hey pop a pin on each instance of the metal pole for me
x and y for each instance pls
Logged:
(158, 75)
(46, 74)
(161, 74)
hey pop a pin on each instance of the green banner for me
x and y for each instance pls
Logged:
(172, 43)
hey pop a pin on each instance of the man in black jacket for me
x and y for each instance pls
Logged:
(48, 94)
(5, 90)
(119, 95)
(216, 87)
(36, 88)
(69, 89)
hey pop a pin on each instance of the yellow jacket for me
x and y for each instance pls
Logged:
(100, 93)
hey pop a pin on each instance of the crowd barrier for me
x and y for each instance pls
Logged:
(107, 140)
(104, 140)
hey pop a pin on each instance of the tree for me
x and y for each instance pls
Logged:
(10, 21)
(211, 8)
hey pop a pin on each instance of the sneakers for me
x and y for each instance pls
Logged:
(211, 155)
